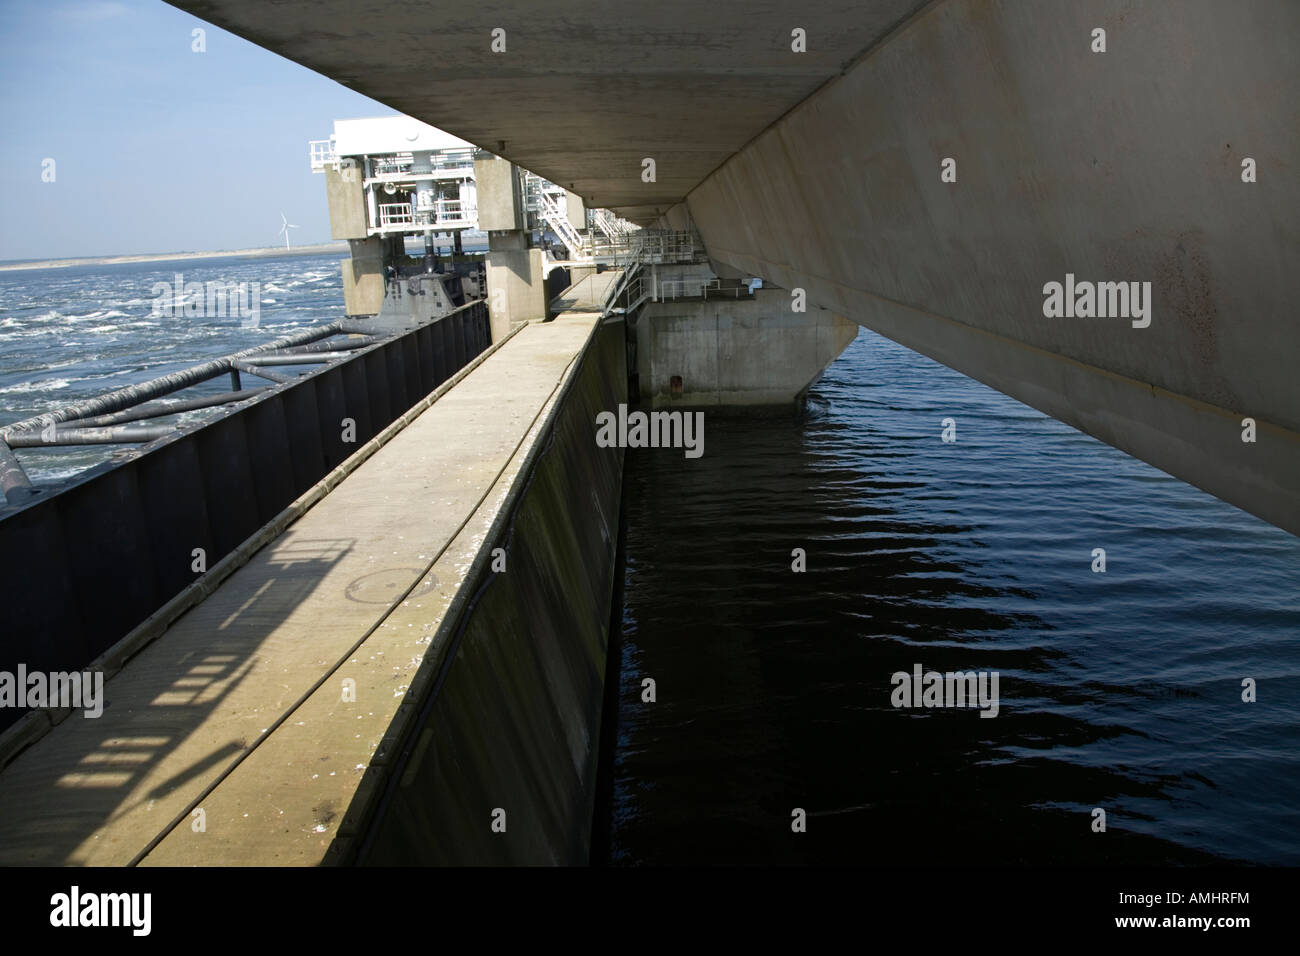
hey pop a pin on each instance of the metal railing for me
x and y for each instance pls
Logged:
(396, 165)
(106, 419)
(443, 214)
(627, 293)
(395, 214)
(611, 225)
(693, 288)
(557, 218)
(322, 154)
(698, 287)
(647, 246)
(533, 185)
(454, 159)
(454, 210)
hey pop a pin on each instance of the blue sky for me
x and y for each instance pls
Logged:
(156, 148)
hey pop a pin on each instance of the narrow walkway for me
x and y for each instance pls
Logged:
(587, 294)
(184, 716)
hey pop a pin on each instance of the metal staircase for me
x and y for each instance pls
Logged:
(610, 225)
(557, 219)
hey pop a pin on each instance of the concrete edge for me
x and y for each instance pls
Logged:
(350, 837)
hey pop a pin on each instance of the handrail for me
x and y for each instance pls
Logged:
(612, 226)
(630, 281)
(395, 214)
(322, 154)
(558, 220)
(103, 419)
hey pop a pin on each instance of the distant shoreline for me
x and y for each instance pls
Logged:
(321, 249)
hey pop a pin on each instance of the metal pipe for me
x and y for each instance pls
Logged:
(430, 254)
(15, 484)
(294, 358)
(121, 435)
(352, 344)
(116, 401)
(170, 408)
(278, 377)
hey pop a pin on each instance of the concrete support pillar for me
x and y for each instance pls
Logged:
(516, 278)
(500, 202)
(576, 210)
(516, 281)
(744, 351)
(347, 201)
(363, 277)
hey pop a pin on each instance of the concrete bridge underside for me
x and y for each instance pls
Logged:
(821, 170)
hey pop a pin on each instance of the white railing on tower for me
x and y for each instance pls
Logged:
(647, 246)
(395, 214)
(611, 225)
(322, 154)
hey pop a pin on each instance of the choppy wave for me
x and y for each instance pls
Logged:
(44, 385)
(98, 314)
(97, 323)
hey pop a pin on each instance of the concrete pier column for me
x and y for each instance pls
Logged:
(575, 210)
(735, 351)
(516, 276)
(347, 201)
(516, 282)
(363, 277)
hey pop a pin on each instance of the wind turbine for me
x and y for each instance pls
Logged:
(285, 226)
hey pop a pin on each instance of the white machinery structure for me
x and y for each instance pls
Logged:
(415, 178)
(390, 179)
(418, 180)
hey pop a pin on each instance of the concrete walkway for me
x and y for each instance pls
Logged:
(241, 709)
(585, 295)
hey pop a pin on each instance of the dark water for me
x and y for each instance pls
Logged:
(1118, 690)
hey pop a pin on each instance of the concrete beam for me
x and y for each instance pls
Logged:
(821, 169)
(1116, 166)
(581, 92)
